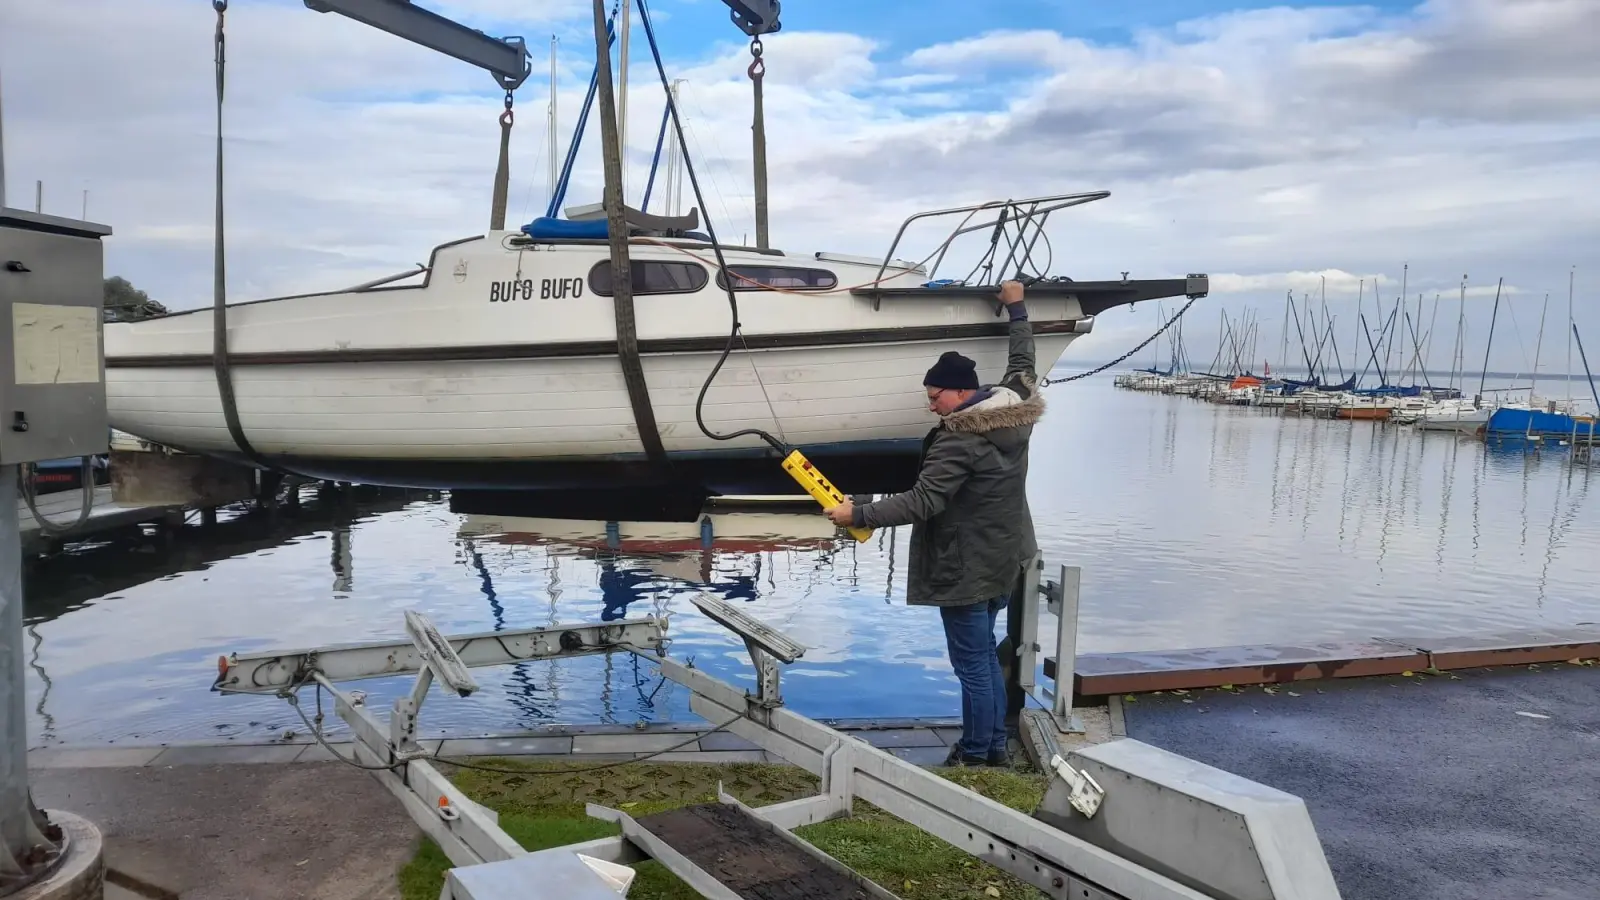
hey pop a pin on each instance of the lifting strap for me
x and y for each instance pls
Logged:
(644, 416)
(219, 310)
(502, 171)
(758, 138)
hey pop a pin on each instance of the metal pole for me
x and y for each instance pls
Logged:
(555, 165)
(20, 837)
(1070, 586)
(2, 148)
(622, 103)
(38, 196)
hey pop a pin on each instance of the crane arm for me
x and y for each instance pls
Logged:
(505, 58)
(755, 17)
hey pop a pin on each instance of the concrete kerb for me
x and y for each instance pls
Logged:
(596, 743)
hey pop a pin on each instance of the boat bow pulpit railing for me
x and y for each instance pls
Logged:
(1016, 229)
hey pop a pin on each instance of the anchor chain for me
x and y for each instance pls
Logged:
(502, 171)
(1124, 357)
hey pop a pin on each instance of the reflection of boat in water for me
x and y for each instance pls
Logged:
(743, 532)
(636, 559)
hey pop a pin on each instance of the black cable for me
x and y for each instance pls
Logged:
(716, 248)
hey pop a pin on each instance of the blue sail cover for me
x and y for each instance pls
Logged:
(549, 228)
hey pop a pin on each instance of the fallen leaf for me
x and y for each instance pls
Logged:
(1406, 674)
(1575, 662)
(1269, 690)
(1532, 715)
(1180, 692)
(630, 805)
(991, 891)
(1227, 687)
(1129, 698)
(1187, 700)
(1293, 694)
(301, 863)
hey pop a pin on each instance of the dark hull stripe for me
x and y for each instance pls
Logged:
(589, 348)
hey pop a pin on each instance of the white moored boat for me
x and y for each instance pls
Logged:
(499, 365)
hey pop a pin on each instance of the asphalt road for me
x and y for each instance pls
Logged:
(1421, 788)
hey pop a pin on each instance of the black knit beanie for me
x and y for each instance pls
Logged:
(953, 371)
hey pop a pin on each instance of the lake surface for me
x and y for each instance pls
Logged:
(1195, 525)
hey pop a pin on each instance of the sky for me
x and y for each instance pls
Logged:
(1308, 148)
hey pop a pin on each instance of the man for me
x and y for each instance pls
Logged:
(971, 533)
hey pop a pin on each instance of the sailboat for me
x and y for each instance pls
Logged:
(504, 364)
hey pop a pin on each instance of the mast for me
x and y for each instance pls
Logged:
(555, 166)
(1570, 273)
(622, 98)
(1483, 379)
(1283, 353)
(1533, 384)
(1455, 354)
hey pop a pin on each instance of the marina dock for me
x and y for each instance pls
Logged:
(62, 509)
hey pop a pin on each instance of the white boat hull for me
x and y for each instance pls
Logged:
(444, 386)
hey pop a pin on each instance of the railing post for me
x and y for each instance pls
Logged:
(1067, 649)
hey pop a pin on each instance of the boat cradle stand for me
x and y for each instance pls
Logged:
(1120, 821)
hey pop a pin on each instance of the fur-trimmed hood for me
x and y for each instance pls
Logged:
(1003, 408)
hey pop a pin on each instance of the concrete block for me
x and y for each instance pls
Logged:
(319, 753)
(1132, 673)
(902, 737)
(91, 757)
(626, 743)
(711, 756)
(1507, 649)
(922, 756)
(723, 740)
(526, 746)
(201, 755)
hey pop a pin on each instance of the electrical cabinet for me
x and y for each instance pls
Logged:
(52, 353)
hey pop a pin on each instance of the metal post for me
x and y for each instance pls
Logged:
(1067, 649)
(3, 148)
(20, 822)
(622, 101)
(1010, 649)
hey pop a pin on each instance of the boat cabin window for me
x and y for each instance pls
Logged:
(755, 278)
(652, 277)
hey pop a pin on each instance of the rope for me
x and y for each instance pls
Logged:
(25, 475)
(1124, 357)
(502, 171)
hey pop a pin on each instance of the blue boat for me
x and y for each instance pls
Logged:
(1508, 423)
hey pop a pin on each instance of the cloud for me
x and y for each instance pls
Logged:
(1267, 147)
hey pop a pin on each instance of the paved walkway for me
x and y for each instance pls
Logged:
(1479, 785)
(208, 832)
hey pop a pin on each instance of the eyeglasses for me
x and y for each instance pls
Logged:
(937, 393)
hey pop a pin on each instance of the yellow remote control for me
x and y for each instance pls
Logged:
(819, 487)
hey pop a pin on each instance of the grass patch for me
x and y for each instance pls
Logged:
(540, 810)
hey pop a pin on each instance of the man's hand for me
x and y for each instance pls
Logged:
(842, 515)
(1010, 292)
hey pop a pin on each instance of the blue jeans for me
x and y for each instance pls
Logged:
(969, 633)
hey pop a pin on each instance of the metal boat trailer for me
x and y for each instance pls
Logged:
(1120, 821)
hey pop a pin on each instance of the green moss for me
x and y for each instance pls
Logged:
(544, 807)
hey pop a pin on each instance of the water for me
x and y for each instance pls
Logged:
(1195, 525)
